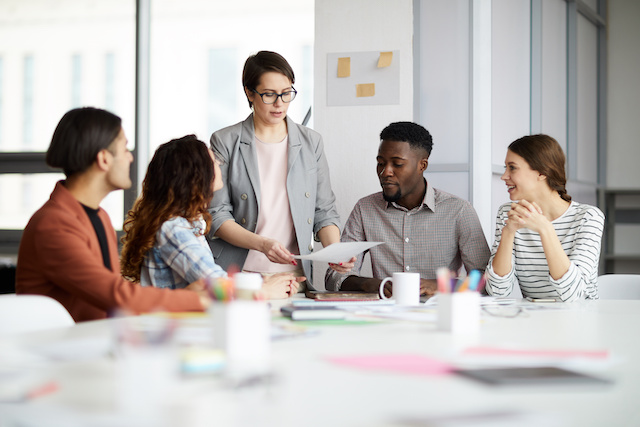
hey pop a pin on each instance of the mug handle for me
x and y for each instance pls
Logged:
(381, 289)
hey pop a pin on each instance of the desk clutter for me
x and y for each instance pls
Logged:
(146, 369)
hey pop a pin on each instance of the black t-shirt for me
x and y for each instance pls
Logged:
(102, 235)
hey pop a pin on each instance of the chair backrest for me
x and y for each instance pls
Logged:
(619, 286)
(28, 313)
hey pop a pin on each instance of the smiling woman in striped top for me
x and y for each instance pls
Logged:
(545, 243)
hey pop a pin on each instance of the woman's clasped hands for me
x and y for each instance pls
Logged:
(525, 214)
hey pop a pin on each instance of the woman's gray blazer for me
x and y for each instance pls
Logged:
(311, 199)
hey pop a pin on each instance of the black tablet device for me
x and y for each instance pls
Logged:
(529, 376)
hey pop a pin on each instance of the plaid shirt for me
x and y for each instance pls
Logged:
(181, 255)
(444, 231)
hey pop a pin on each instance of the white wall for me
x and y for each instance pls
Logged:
(623, 103)
(351, 134)
(444, 91)
(510, 88)
(623, 75)
(447, 42)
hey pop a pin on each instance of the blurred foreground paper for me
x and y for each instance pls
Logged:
(339, 252)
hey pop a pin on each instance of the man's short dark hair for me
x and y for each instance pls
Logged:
(81, 134)
(416, 135)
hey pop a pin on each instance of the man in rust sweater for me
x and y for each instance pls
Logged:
(69, 248)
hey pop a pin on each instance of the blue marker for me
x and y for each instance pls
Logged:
(474, 279)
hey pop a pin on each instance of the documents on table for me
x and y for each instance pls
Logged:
(413, 364)
(339, 252)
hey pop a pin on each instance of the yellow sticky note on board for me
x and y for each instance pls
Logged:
(385, 59)
(365, 89)
(344, 67)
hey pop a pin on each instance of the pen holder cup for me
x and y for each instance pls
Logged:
(147, 364)
(459, 312)
(242, 329)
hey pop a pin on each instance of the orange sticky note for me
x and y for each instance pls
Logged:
(365, 89)
(344, 67)
(385, 59)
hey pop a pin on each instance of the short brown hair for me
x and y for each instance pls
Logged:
(544, 154)
(263, 62)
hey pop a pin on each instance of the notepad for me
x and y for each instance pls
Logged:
(313, 312)
(342, 296)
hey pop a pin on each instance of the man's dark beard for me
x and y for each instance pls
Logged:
(392, 197)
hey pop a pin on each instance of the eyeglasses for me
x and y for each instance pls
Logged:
(509, 312)
(271, 97)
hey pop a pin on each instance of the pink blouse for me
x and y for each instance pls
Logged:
(274, 216)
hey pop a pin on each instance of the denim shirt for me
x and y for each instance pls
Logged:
(180, 256)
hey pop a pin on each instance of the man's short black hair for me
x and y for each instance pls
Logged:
(80, 135)
(416, 135)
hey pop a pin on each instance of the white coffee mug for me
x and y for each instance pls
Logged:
(406, 288)
(247, 284)
(250, 281)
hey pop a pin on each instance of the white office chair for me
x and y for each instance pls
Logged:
(619, 286)
(28, 313)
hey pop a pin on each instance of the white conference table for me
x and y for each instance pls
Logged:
(306, 389)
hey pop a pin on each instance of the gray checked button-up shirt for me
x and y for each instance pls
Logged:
(444, 231)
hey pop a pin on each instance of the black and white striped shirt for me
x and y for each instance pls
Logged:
(579, 230)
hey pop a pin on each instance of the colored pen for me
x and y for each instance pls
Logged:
(481, 284)
(464, 286)
(39, 390)
(474, 279)
(443, 277)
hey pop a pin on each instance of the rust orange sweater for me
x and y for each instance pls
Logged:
(60, 257)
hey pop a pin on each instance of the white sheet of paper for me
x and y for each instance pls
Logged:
(339, 252)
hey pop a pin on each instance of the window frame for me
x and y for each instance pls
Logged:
(34, 162)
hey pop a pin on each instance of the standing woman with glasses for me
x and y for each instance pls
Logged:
(277, 196)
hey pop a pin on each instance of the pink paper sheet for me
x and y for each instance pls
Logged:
(403, 363)
(497, 351)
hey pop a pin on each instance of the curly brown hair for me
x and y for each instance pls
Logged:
(179, 182)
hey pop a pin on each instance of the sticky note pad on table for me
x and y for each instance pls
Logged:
(344, 67)
(385, 59)
(365, 89)
(201, 361)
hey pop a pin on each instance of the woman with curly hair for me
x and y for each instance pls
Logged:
(165, 245)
